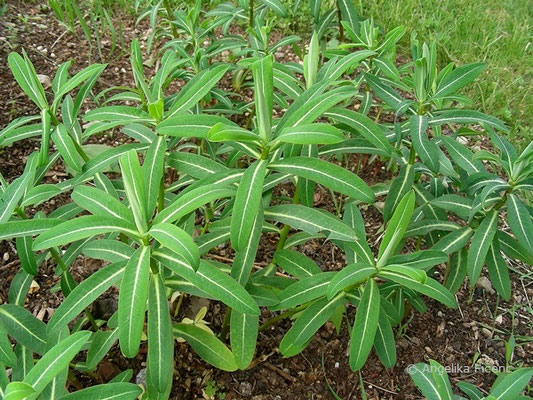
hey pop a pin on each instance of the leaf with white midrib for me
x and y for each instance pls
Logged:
(310, 220)
(55, 360)
(81, 228)
(24, 327)
(327, 174)
(132, 301)
(365, 325)
(84, 294)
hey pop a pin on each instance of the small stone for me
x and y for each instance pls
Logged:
(486, 332)
(140, 379)
(485, 284)
(53, 55)
(499, 319)
(6, 256)
(45, 80)
(279, 54)
(245, 388)
(337, 364)
(439, 314)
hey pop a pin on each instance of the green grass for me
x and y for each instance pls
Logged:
(498, 33)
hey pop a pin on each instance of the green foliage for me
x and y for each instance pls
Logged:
(432, 380)
(197, 174)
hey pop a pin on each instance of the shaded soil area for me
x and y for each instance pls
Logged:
(474, 332)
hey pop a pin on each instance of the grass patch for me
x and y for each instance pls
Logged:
(495, 32)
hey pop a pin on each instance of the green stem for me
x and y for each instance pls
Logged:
(280, 317)
(251, 14)
(170, 16)
(225, 325)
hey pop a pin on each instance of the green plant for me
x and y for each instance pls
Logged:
(199, 175)
(432, 380)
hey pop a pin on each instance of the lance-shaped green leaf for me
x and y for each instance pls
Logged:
(327, 174)
(195, 165)
(462, 156)
(456, 271)
(108, 391)
(520, 221)
(454, 241)
(512, 385)
(263, 89)
(386, 93)
(426, 149)
(55, 360)
(17, 390)
(153, 169)
(19, 287)
(423, 260)
(397, 227)
(24, 327)
(384, 340)
(87, 74)
(84, 294)
(244, 259)
(470, 390)
(317, 133)
(350, 275)
(480, 245)
(100, 203)
(513, 248)
(425, 226)
(309, 321)
(430, 288)
(135, 188)
(296, 264)
(459, 205)
(349, 14)
(81, 228)
(160, 340)
(365, 325)
(67, 148)
(467, 117)
(101, 343)
(207, 346)
(276, 6)
(311, 60)
(423, 378)
(310, 220)
(10, 198)
(177, 240)
(231, 133)
(186, 125)
(363, 125)
(196, 89)
(26, 254)
(119, 114)
(304, 290)
(498, 271)
(7, 355)
(314, 107)
(132, 301)
(105, 159)
(108, 250)
(39, 194)
(400, 186)
(458, 78)
(243, 337)
(216, 283)
(25, 75)
(190, 201)
(247, 202)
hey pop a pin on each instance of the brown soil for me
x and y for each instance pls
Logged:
(450, 336)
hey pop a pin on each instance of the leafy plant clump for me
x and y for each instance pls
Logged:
(206, 165)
